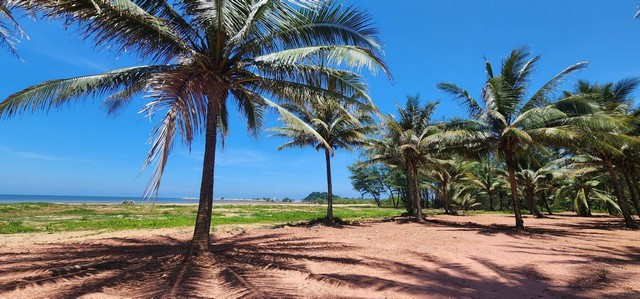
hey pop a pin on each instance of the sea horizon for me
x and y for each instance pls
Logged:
(94, 199)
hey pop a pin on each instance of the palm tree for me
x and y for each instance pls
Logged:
(511, 117)
(486, 177)
(584, 184)
(337, 127)
(447, 176)
(410, 143)
(609, 140)
(205, 54)
(9, 27)
(534, 180)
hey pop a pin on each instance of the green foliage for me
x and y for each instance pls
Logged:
(314, 196)
(368, 178)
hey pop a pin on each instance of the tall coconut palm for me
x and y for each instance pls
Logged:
(338, 127)
(204, 56)
(410, 143)
(509, 116)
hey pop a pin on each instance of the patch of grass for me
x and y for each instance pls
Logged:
(14, 227)
(18, 218)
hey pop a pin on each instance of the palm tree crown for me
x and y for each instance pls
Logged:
(338, 127)
(512, 118)
(205, 54)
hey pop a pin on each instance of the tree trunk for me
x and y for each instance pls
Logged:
(414, 196)
(632, 191)
(545, 201)
(419, 215)
(531, 201)
(390, 193)
(446, 199)
(490, 200)
(634, 183)
(201, 234)
(402, 197)
(501, 200)
(514, 191)
(327, 155)
(622, 202)
(395, 200)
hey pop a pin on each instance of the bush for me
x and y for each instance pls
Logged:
(313, 196)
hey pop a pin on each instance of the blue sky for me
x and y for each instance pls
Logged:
(78, 150)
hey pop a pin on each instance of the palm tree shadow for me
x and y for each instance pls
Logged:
(77, 269)
(242, 266)
(271, 265)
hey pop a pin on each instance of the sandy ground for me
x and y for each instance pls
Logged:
(448, 257)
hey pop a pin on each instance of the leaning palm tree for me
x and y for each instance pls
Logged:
(611, 141)
(511, 116)
(338, 127)
(204, 56)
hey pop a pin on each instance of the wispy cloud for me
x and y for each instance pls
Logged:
(234, 157)
(230, 157)
(281, 174)
(76, 61)
(39, 156)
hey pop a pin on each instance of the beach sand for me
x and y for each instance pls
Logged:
(476, 256)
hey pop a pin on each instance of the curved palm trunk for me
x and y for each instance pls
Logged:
(531, 201)
(201, 234)
(545, 202)
(632, 190)
(622, 202)
(327, 156)
(514, 192)
(586, 194)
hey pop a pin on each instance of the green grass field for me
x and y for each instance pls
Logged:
(45, 217)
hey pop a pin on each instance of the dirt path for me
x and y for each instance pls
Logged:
(461, 257)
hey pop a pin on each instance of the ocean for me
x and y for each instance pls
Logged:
(68, 199)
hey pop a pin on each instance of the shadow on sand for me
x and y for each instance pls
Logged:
(277, 265)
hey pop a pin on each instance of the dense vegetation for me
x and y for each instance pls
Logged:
(575, 152)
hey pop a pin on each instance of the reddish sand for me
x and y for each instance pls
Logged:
(448, 257)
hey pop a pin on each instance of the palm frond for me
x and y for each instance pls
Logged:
(55, 93)
(543, 95)
(119, 25)
(350, 56)
(468, 102)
